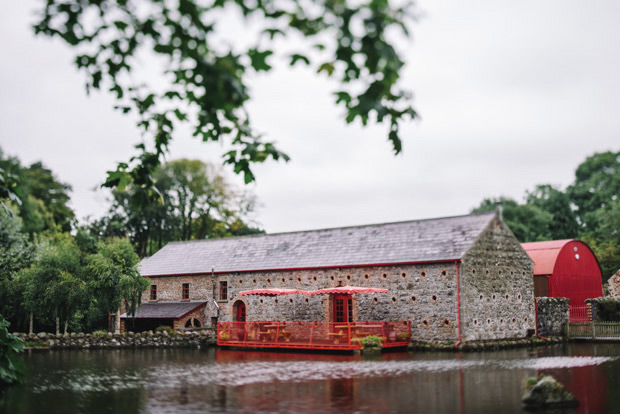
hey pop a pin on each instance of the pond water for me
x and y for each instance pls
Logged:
(225, 381)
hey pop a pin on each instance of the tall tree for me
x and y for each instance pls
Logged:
(555, 202)
(201, 198)
(9, 190)
(115, 276)
(57, 285)
(527, 222)
(38, 183)
(39, 198)
(204, 79)
(16, 253)
(596, 187)
(595, 195)
(196, 202)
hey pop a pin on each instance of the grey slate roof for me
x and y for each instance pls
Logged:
(403, 242)
(165, 310)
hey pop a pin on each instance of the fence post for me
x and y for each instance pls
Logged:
(593, 323)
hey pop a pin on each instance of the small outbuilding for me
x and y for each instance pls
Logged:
(176, 315)
(568, 269)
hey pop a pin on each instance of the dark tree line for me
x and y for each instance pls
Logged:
(588, 209)
(194, 201)
(60, 276)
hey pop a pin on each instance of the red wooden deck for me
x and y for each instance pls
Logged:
(312, 335)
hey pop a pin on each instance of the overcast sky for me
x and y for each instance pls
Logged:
(511, 94)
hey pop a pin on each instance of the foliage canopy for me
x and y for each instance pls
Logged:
(12, 367)
(205, 78)
(196, 202)
(36, 196)
(589, 209)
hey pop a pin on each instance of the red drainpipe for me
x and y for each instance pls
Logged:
(458, 302)
(536, 305)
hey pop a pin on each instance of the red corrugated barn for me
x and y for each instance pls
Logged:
(567, 269)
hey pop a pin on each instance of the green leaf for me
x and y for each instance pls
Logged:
(343, 97)
(297, 58)
(396, 141)
(272, 32)
(259, 59)
(327, 67)
(118, 179)
(181, 116)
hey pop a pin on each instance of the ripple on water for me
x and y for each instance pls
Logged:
(246, 373)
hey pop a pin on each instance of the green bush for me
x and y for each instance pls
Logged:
(530, 382)
(371, 341)
(403, 336)
(12, 367)
(609, 310)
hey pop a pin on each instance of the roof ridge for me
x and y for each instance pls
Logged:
(332, 228)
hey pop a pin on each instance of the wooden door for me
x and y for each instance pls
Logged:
(541, 286)
(240, 311)
(343, 308)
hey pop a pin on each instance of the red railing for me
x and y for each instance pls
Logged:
(580, 313)
(312, 335)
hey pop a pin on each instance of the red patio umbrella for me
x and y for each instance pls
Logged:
(273, 292)
(346, 290)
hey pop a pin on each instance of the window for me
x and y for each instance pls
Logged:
(153, 292)
(223, 290)
(185, 291)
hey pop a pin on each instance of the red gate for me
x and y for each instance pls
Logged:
(580, 313)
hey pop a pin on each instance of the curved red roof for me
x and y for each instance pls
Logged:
(544, 254)
(571, 267)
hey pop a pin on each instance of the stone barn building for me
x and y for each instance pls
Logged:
(455, 278)
(566, 269)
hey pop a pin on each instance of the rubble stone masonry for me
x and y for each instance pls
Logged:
(496, 287)
(425, 294)
(496, 293)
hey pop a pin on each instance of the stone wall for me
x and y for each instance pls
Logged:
(129, 340)
(424, 294)
(611, 313)
(496, 287)
(613, 285)
(553, 315)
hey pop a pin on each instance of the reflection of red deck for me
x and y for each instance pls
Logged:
(312, 335)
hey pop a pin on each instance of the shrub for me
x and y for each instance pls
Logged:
(530, 382)
(609, 310)
(403, 336)
(371, 341)
(12, 367)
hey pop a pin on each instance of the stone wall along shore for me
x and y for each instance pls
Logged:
(148, 339)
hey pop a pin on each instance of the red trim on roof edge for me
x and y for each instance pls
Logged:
(193, 310)
(305, 268)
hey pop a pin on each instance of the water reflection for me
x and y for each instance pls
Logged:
(188, 381)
